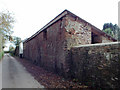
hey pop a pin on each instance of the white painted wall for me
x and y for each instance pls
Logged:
(21, 48)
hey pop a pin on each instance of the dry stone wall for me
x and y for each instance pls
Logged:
(97, 65)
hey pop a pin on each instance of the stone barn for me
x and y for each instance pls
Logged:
(49, 47)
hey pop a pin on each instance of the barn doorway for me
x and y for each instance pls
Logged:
(96, 38)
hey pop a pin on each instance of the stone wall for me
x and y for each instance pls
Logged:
(50, 48)
(97, 65)
(47, 49)
(105, 40)
(78, 32)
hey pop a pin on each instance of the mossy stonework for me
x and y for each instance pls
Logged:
(97, 65)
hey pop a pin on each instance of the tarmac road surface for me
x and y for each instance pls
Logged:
(14, 75)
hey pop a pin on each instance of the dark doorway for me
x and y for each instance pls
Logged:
(96, 38)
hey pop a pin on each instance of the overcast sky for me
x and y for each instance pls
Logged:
(32, 15)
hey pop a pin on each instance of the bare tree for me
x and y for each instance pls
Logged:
(6, 24)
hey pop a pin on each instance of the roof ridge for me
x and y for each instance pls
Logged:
(62, 14)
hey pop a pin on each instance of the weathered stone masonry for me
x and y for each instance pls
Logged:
(97, 65)
(50, 46)
(47, 48)
(77, 32)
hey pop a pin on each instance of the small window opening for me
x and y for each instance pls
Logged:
(96, 38)
(45, 35)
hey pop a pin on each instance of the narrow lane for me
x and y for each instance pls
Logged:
(14, 75)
